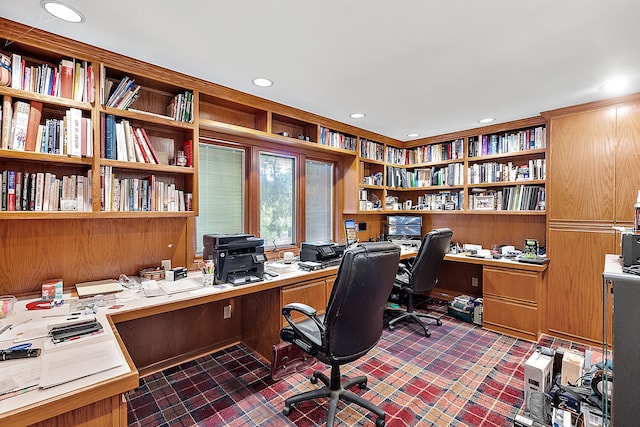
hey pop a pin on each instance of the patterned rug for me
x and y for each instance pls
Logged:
(461, 376)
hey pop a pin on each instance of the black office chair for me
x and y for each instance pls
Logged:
(419, 275)
(351, 326)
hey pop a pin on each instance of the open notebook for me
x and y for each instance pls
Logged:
(98, 287)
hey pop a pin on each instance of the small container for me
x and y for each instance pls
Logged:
(6, 305)
(152, 273)
(207, 279)
(181, 159)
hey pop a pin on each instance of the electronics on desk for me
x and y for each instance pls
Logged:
(176, 273)
(404, 227)
(325, 252)
(239, 258)
(631, 249)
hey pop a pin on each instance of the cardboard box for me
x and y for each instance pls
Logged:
(537, 374)
(572, 364)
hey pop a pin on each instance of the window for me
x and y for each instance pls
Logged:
(277, 200)
(319, 200)
(221, 191)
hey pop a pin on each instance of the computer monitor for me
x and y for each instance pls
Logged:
(404, 227)
(350, 229)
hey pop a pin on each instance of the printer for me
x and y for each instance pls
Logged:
(238, 258)
(326, 253)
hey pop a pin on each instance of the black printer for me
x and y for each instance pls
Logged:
(326, 252)
(238, 258)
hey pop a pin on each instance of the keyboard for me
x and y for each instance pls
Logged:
(182, 285)
(536, 260)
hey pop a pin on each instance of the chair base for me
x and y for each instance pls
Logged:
(416, 318)
(336, 391)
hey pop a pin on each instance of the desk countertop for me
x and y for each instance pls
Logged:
(503, 262)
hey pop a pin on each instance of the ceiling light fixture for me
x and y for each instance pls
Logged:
(615, 85)
(413, 135)
(487, 120)
(357, 115)
(262, 82)
(62, 11)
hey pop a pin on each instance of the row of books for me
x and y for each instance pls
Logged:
(335, 139)
(124, 142)
(481, 173)
(509, 142)
(22, 130)
(443, 200)
(181, 107)
(516, 198)
(71, 79)
(140, 194)
(123, 95)
(371, 150)
(44, 191)
(452, 150)
(451, 174)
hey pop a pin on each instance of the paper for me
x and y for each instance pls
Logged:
(19, 375)
(83, 358)
(98, 287)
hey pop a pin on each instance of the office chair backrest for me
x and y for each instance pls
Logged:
(424, 270)
(354, 313)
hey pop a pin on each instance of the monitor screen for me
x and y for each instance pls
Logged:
(404, 227)
(350, 229)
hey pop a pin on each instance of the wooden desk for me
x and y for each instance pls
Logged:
(512, 293)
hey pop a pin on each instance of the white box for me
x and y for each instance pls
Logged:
(572, 364)
(537, 374)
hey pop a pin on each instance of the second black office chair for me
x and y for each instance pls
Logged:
(351, 326)
(419, 275)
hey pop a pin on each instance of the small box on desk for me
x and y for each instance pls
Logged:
(176, 273)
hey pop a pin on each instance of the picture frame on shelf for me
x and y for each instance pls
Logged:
(484, 203)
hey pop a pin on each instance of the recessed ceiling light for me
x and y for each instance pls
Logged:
(62, 11)
(487, 120)
(262, 82)
(357, 115)
(413, 135)
(615, 85)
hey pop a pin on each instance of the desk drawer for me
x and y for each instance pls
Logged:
(310, 293)
(516, 284)
(508, 317)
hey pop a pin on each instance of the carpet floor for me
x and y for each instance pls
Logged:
(460, 376)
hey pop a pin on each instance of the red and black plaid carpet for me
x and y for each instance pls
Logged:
(461, 376)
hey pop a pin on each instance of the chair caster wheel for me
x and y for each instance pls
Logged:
(286, 411)
(391, 328)
(363, 385)
(379, 423)
(313, 379)
(439, 322)
(427, 334)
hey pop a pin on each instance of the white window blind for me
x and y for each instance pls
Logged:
(221, 191)
(319, 200)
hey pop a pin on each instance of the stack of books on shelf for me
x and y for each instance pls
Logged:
(44, 191)
(21, 130)
(510, 142)
(371, 150)
(121, 141)
(140, 194)
(397, 156)
(451, 174)
(516, 198)
(442, 200)
(181, 107)
(452, 150)
(71, 79)
(124, 94)
(479, 173)
(335, 139)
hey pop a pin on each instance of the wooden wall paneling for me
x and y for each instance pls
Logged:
(455, 278)
(574, 291)
(79, 250)
(350, 178)
(627, 176)
(159, 341)
(489, 229)
(261, 321)
(106, 412)
(580, 169)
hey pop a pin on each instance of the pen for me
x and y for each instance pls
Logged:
(21, 323)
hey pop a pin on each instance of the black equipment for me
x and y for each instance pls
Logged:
(325, 252)
(238, 258)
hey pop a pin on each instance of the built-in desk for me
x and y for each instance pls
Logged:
(512, 293)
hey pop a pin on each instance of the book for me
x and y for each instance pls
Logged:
(11, 190)
(18, 199)
(16, 71)
(74, 132)
(188, 152)
(35, 115)
(20, 123)
(110, 137)
(149, 146)
(7, 118)
(66, 78)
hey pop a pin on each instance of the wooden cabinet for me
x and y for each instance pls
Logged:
(511, 301)
(313, 293)
(593, 183)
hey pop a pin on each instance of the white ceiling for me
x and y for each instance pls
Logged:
(423, 66)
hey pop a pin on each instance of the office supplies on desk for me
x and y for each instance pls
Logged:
(19, 376)
(5, 328)
(19, 354)
(6, 305)
(98, 287)
(326, 252)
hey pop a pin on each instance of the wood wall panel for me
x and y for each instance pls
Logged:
(580, 169)
(79, 250)
(574, 293)
(627, 181)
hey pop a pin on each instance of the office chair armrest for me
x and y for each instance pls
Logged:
(404, 269)
(305, 309)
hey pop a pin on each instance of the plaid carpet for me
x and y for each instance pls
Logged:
(461, 376)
